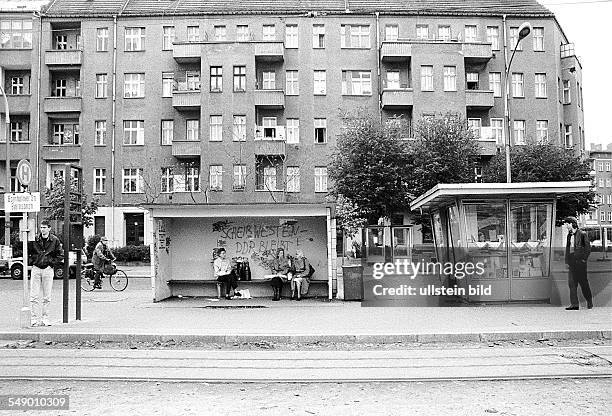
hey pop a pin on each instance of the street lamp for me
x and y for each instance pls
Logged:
(523, 32)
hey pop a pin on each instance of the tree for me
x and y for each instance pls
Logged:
(545, 162)
(55, 198)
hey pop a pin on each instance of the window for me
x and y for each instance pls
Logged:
(293, 130)
(293, 179)
(61, 42)
(16, 33)
(320, 179)
(601, 183)
(493, 37)
(269, 178)
(167, 180)
(355, 36)
(391, 33)
(607, 166)
(320, 130)
(609, 200)
(609, 219)
(538, 38)
(193, 130)
(600, 166)
(269, 80)
(100, 134)
(609, 183)
(192, 180)
(393, 80)
(220, 33)
(540, 86)
(168, 37)
(167, 132)
(450, 78)
(16, 128)
(17, 85)
(269, 128)
(239, 133)
(542, 130)
(134, 39)
(239, 78)
(193, 80)
(58, 133)
(132, 180)
(133, 132)
(269, 33)
(292, 86)
(101, 84)
(495, 83)
(471, 80)
(519, 131)
(514, 33)
(474, 124)
(356, 83)
(320, 82)
(427, 78)
(134, 86)
(318, 36)
(444, 33)
(242, 33)
(239, 182)
(216, 128)
(291, 36)
(567, 97)
(497, 130)
(422, 32)
(518, 85)
(216, 79)
(75, 130)
(167, 84)
(215, 180)
(569, 140)
(102, 39)
(193, 33)
(471, 33)
(99, 181)
(60, 88)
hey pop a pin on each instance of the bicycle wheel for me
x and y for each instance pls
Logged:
(87, 281)
(119, 281)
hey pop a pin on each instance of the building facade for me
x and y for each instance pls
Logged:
(228, 112)
(601, 215)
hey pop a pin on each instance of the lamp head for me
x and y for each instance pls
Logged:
(524, 30)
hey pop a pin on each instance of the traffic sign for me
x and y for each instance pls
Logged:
(22, 202)
(24, 172)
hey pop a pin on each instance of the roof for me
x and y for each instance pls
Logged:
(444, 193)
(92, 8)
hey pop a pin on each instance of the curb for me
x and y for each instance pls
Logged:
(291, 339)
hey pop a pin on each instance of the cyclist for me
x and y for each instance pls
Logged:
(101, 257)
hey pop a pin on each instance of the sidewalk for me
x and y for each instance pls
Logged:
(131, 315)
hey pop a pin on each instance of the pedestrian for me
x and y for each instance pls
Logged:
(577, 250)
(102, 256)
(281, 266)
(225, 274)
(300, 281)
(45, 253)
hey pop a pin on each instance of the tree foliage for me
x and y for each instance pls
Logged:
(545, 162)
(55, 197)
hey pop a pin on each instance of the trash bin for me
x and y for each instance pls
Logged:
(352, 277)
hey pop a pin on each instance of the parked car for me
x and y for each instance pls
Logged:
(15, 265)
(596, 245)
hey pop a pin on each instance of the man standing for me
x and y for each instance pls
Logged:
(577, 250)
(45, 253)
(101, 257)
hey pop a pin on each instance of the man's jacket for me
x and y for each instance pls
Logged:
(582, 246)
(43, 254)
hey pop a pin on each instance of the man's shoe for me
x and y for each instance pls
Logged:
(228, 297)
(589, 305)
(572, 308)
(237, 294)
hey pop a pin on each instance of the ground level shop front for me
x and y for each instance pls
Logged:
(186, 236)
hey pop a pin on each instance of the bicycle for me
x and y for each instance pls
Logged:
(118, 280)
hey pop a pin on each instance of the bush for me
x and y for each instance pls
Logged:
(132, 253)
(92, 242)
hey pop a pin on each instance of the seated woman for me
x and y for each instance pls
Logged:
(281, 266)
(300, 281)
(225, 274)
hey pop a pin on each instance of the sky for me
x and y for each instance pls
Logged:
(586, 23)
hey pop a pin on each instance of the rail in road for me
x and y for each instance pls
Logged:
(306, 366)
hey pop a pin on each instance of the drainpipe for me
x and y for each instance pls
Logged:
(113, 122)
(38, 101)
(506, 95)
(378, 70)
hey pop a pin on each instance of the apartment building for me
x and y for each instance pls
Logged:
(601, 159)
(218, 118)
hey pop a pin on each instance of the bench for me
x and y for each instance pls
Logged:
(257, 282)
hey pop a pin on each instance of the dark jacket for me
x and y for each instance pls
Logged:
(582, 247)
(43, 254)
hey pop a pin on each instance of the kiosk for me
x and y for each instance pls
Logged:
(507, 228)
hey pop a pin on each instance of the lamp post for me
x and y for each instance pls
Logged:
(7, 189)
(523, 32)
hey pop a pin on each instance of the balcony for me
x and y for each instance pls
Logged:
(185, 148)
(186, 99)
(395, 51)
(273, 99)
(187, 52)
(18, 104)
(397, 98)
(480, 52)
(64, 57)
(19, 150)
(62, 104)
(486, 141)
(479, 99)
(61, 152)
(270, 51)
(270, 147)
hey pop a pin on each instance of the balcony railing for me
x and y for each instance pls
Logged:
(61, 152)
(64, 57)
(397, 98)
(187, 52)
(18, 104)
(270, 140)
(479, 99)
(186, 148)
(396, 50)
(270, 98)
(270, 51)
(477, 51)
(186, 99)
(62, 104)
(19, 150)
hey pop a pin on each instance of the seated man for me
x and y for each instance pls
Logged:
(101, 257)
(225, 274)
(300, 281)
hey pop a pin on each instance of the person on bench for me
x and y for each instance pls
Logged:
(301, 277)
(281, 267)
(225, 274)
